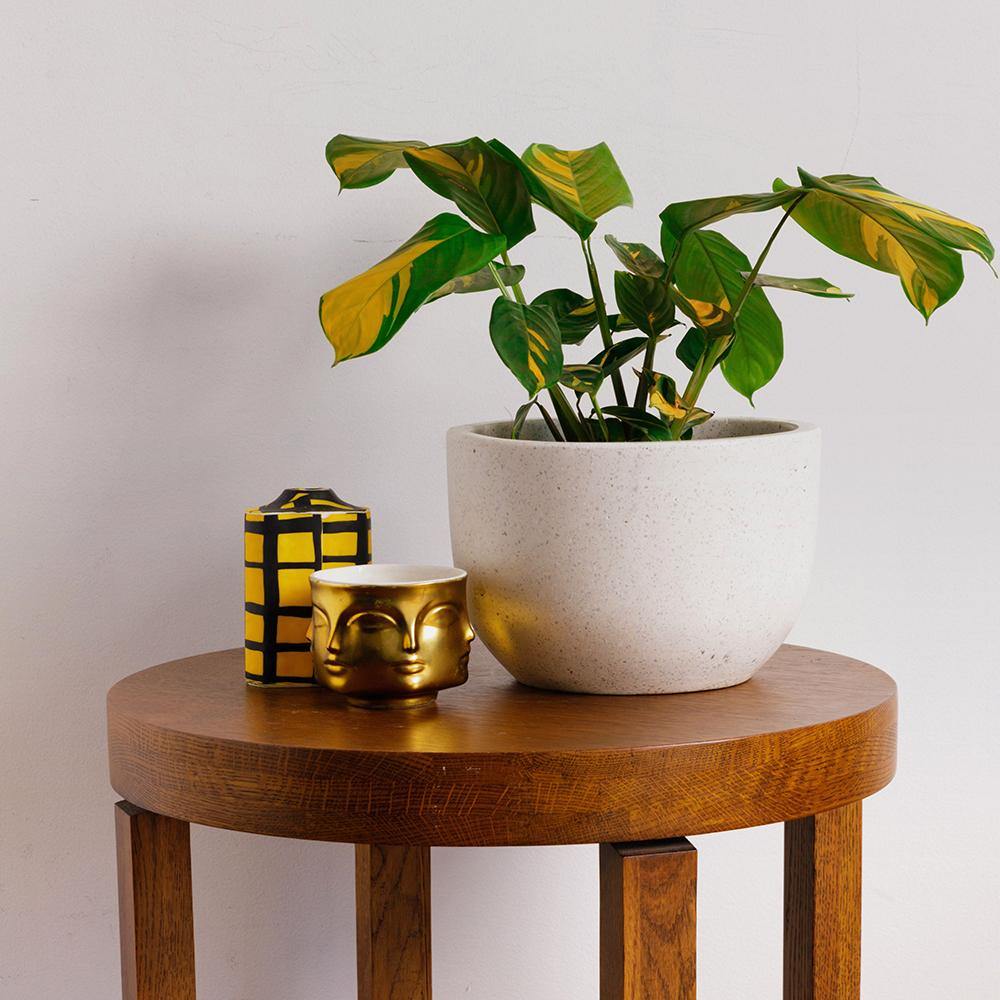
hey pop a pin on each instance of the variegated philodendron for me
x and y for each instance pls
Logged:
(701, 288)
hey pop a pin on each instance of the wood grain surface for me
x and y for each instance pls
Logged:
(393, 887)
(156, 926)
(823, 906)
(648, 907)
(496, 763)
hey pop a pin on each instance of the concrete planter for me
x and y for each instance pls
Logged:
(635, 568)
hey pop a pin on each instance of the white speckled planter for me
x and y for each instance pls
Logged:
(636, 568)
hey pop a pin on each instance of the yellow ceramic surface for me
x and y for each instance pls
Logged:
(285, 541)
(390, 636)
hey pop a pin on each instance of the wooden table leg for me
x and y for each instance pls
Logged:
(154, 905)
(394, 922)
(823, 906)
(648, 904)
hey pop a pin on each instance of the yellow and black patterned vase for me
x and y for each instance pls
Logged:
(284, 542)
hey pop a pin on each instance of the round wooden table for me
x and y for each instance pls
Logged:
(495, 763)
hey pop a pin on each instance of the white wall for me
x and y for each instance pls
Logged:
(168, 225)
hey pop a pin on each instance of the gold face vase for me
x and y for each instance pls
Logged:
(390, 636)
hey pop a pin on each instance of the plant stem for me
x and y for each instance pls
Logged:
(571, 426)
(717, 346)
(752, 276)
(600, 418)
(602, 319)
(499, 281)
(516, 285)
(647, 358)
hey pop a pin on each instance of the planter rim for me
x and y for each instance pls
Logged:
(779, 428)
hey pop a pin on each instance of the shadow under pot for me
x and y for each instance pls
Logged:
(390, 636)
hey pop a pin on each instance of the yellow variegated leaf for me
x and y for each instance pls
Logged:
(684, 216)
(811, 286)
(575, 315)
(489, 189)
(361, 163)
(948, 229)
(528, 342)
(706, 315)
(664, 397)
(578, 185)
(363, 314)
(875, 232)
(637, 257)
(480, 281)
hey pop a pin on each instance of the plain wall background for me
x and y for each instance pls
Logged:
(168, 225)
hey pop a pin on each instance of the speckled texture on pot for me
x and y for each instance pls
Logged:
(635, 568)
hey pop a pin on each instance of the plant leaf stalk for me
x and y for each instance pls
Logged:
(717, 346)
(602, 319)
(647, 358)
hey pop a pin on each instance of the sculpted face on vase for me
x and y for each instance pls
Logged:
(390, 635)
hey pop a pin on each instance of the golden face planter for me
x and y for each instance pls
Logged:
(390, 636)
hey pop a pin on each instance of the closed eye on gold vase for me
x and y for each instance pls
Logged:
(440, 616)
(372, 621)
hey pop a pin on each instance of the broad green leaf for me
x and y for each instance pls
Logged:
(811, 286)
(692, 347)
(684, 216)
(361, 163)
(528, 342)
(637, 258)
(583, 378)
(363, 314)
(578, 185)
(649, 426)
(644, 301)
(710, 270)
(576, 315)
(481, 281)
(485, 186)
(621, 353)
(664, 397)
(947, 229)
(874, 232)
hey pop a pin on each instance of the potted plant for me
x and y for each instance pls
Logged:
(626, 542)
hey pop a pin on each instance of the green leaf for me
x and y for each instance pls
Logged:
(484, 185)
(947, 229)
(481, 281)
(644, 301)
(619, 324)
(811, 286)
(585, 379)
(685, 216)
(619, 354)
(649, 426)
(877, 232)
(361, 163)
(637, 258)
(710, 270)
(528, 342)
(575, 315)
(519, 418)
(692, 346)
(363, 314)
(578, 185)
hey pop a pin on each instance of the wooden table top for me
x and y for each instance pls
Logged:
(497, 763)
